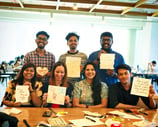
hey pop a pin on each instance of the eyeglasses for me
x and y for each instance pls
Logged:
(104, 40)
(43, 39)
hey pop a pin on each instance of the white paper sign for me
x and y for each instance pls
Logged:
(56, 94)
(107, 61)
(141, 86)
(73, 66)
(22, 93)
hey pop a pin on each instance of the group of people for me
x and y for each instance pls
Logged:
(94, 88)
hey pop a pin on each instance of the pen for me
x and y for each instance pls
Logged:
(90, 119)
(26, 123)
(52, 110)
(143, 113)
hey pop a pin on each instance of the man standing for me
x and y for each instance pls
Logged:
(42, 59)
(72, 42)
(107, 75)
(119, 94)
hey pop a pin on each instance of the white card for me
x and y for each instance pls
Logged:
(22, 93)
(73, 66)
(107, 61)
(141, 86)
(56, 94)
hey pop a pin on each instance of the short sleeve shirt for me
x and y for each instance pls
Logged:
(83, 91)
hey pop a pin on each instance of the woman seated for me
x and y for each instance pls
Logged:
(90, 92)
(59, 78)
(26, 77)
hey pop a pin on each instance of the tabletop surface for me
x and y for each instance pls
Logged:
(34, 115)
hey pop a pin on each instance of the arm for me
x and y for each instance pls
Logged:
(76, 103)
(125, 106)
(76, 96)
(11, 104)
(36, 100)
(102, 105)
(7, 99)
(152, 102)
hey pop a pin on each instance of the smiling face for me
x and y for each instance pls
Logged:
(106, 42)
(28, 73)
(41, 41)
(59, 73)
(73, 42)
(90, 72)
(124, 76)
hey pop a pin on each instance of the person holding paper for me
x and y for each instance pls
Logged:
(107, 75)
(90, 92)
(42, 59)
(120, 93)
(72, 42)
(29, 93)
(59, 78)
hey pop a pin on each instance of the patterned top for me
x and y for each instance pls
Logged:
(11, 89)
(83, 57)
(83, 91)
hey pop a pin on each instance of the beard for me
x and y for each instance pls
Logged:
(41, 47)
(106, 49)
(73, 48)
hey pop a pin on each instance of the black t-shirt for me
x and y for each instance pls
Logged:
(117, 94)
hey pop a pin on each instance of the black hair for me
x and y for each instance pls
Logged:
(107, 34)
(44, 33)
(20, 78)
(153, 62)
(72, 34)
(123, 66)
(96, 84)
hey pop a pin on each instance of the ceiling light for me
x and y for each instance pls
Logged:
(75, 6)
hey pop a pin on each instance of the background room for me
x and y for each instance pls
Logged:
(134, 38)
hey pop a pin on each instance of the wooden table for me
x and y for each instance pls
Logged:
(34, 115)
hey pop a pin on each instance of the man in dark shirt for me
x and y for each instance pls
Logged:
(119, 94)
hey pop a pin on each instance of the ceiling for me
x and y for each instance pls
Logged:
(136, 8)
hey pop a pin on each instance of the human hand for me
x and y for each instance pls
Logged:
(16, 104)
(100, 52)
(81, 68)
(151, 91)
(29, 84)
(67, 99)
(44, 98)
(110, 72)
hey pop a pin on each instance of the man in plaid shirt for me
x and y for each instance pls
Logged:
(43, 60)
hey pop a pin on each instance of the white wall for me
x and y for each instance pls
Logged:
(18, 30)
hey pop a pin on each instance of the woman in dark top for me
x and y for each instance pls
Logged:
(59, 78)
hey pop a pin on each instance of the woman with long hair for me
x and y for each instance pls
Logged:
(59, 78)
(90, 92)
(26, 77)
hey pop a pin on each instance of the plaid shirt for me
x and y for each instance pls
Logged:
(47, 60)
